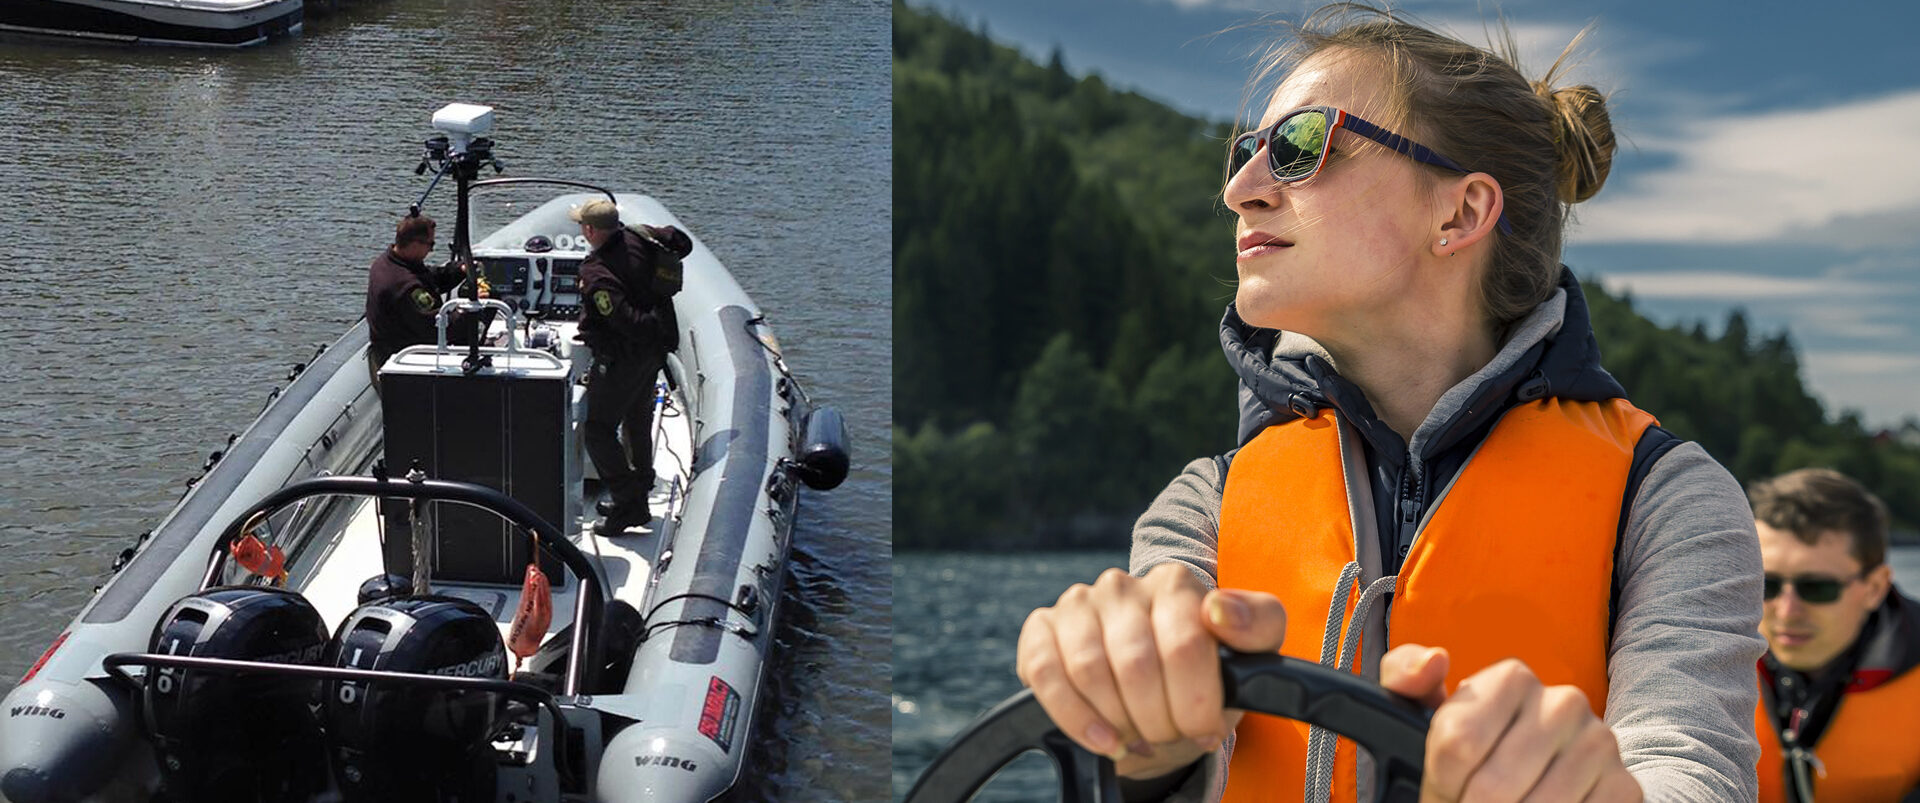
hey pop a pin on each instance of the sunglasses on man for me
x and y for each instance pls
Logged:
(1296, 146)
(1811, 588)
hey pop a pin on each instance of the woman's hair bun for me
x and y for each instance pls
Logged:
(1583, 139)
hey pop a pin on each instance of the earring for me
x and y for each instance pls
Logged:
(1443, 241)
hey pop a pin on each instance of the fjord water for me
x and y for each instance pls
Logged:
(178, 228)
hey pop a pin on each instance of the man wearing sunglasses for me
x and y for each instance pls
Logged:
(404, 296)
(1839, 712)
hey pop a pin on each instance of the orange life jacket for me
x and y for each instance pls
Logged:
(1870, 750)
(1515, 559)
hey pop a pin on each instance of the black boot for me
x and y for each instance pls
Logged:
(621, 518)
(606, 507)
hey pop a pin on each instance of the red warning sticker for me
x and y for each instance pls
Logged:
(718, 714)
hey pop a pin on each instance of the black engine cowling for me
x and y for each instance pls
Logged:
(391, 742)
(236, 737)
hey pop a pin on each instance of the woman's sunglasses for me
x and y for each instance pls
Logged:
(1811, 588)
(1296, 146)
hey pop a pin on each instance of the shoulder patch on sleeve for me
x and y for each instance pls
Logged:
(603, 301)
(423, 300)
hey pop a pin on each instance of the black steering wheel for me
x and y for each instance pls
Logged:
(1392, 728)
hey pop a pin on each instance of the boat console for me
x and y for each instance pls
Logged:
(533, 264)
(538, 284)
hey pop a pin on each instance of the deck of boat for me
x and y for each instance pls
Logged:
(353, 554)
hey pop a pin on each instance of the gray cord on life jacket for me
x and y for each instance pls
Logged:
(1320, 741)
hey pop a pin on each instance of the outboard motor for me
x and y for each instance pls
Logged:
(392, 742)
(822, 462)
(237, 737)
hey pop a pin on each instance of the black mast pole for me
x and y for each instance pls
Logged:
(466, 168)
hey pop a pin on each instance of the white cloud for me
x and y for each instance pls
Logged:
(1822, 308)
(1858, 322)
(1869, 363)
(1882, 385)
(1539, 45)
(1242, 5)
(1727, 286)
(1843, 174)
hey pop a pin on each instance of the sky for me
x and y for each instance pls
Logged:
(1770, 156)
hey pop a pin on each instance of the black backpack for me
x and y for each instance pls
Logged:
(669, 246)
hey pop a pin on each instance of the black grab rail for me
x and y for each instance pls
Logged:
(116, 662)
(496, 182)
(583, 667)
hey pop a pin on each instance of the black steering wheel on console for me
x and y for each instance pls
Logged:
(1392, 728)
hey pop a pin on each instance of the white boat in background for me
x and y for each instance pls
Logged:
(327, 614)
(194, 23)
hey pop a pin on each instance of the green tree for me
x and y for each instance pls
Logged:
(1071, 430)
(951, 490)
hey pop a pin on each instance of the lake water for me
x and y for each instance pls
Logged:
(956, 623)
(178, 228)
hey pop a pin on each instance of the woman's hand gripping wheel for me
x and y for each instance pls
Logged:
(1392, 728)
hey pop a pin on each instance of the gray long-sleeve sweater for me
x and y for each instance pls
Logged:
(1680, 670)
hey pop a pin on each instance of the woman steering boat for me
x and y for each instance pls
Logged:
(1437, 484)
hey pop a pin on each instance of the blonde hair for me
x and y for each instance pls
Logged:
(1549, 147)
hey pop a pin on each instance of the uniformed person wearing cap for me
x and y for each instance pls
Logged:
(403, 295)
(627, 319)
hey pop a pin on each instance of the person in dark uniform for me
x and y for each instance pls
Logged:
(627, 319)
(403, 295)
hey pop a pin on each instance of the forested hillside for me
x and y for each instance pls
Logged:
(1061, 262)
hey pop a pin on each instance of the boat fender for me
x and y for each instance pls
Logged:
(530, 622)
(822, 463)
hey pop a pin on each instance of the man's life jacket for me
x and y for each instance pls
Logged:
(1861, 741)
(1514, 559)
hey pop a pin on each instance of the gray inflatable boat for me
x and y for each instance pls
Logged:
(327, 615)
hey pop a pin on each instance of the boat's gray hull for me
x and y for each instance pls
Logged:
(677, 730)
